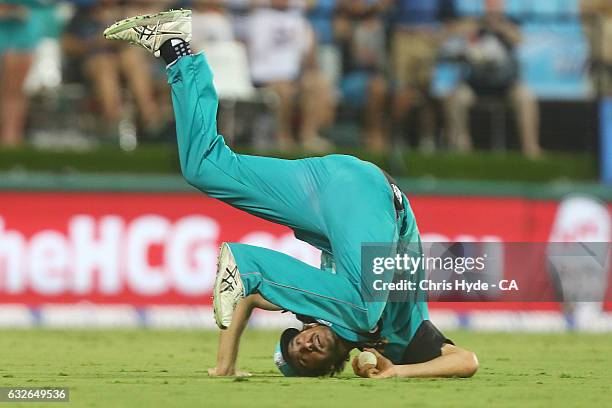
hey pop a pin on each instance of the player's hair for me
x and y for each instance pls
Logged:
(339, 363)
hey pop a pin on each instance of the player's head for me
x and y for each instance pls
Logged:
(314, 351)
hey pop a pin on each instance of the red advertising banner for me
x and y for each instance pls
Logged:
(160, 248)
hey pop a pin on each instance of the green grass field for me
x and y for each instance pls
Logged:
(163, 159)
(168, 368)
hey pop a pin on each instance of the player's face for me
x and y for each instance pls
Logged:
(312, 348)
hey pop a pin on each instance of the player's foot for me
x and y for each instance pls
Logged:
(150, 31)
(228, 290)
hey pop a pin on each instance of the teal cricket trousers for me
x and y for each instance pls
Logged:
(335, 203)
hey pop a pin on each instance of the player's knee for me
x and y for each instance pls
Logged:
(470, 364)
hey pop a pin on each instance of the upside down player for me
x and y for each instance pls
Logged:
(334, 203)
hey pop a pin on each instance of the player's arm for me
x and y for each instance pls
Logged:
(454, 362)
(229, 340)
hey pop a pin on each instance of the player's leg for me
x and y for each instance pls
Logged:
(283, 191)
(345, 297)
(354, 223)
(289, 284)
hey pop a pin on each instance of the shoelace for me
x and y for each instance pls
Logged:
(147, 31)
(229, 285)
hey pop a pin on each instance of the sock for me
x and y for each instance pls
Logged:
(174, 49)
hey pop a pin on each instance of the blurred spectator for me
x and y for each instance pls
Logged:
(21, 29)
(104, 62)
(598, 24)
(321, 14)
(492, 70)
(361, 31)
(213, 33)
(419, 28)
(212, 24)
(282, 51)
(132, 7)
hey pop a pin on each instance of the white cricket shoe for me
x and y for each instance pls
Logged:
(228, 290)
(150, 31)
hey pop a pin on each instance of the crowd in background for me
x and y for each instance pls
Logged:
(305, 60)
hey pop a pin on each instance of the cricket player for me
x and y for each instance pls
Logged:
(335, 203)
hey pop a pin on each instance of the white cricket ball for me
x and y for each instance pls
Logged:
(366, 357)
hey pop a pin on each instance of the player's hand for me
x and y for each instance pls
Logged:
(213, 372)
(366, 371)
(384, 367)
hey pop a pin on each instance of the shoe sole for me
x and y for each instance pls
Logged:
(147, 19)
(226, 258)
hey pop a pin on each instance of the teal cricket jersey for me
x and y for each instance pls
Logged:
(335, 203)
